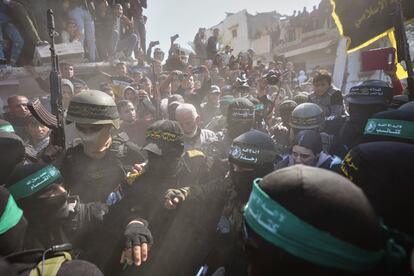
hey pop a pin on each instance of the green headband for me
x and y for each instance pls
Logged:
(393, 128)
(34, 182)
(11, 216)
(7, 128)
(283, 229)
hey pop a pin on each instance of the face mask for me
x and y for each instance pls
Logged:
(95, 144)
(163, 166)
(236, 129)
(243, 183)
(45, 211)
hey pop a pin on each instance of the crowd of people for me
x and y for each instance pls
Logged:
(205, 165)
(89, 22)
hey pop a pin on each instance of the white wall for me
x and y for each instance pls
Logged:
(236, 21)
(262, 45)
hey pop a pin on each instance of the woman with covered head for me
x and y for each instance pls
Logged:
(307, 150)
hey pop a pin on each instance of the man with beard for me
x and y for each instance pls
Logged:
(189, 120)
(96, 168)
(252, 155)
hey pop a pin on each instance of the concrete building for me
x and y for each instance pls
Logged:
(243, 31)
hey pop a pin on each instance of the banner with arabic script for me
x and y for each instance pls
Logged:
(365, 21)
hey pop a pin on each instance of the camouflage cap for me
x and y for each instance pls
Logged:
(93, 107)
(306, 116)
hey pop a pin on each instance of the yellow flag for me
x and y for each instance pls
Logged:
(401, 73)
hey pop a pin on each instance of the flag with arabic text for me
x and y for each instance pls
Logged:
(365, 21)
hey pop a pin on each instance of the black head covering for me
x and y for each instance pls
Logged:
(398, 101)
(12, 152)
(370, 92)
(384, 171)
(12, 240)
(42, 177)
(240, 117)
(408, 106)
(164, 137)
(393, 125)
(325, 200)
(5, 126)
(255, 150)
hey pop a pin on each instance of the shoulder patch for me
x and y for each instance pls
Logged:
(194, 153)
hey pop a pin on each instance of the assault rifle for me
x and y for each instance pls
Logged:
(55, 120)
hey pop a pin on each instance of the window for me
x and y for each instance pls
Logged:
(234, 33)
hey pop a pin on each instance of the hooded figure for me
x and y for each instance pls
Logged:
(364, 100)
(392, 125)
(11, 146)
(240, 117)
(384, 171)
(307, 221)
(251, 155)
(12, 224)
(37, 189)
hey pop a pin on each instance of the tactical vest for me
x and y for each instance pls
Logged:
(50, 266)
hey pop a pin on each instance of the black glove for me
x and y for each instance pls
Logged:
(137, 234)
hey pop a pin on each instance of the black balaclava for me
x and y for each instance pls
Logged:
(384, 171)
(359, 113)
(240, 117)
(165, 145)
(391, 125)
(12, 152)
(352, 132)
(41, 211)
(254, 150)
(326, 201)
(163, 166)
(11, 240)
